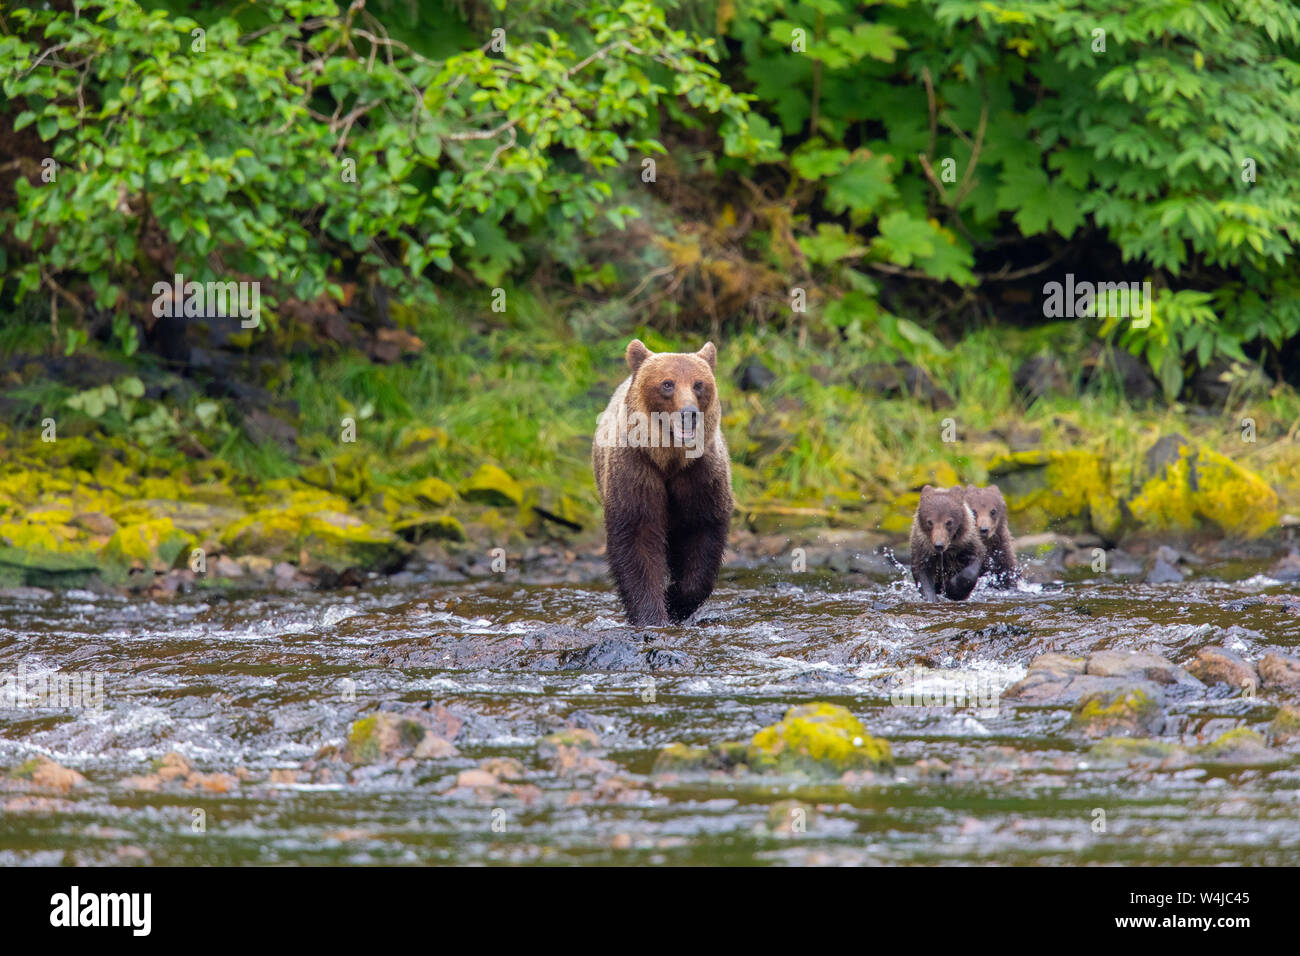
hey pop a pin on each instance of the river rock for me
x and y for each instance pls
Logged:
(680, 758)
(1280, 671)
(790, 817)
(1284, 728)
(386, 736)
(48, 775)
(1240, 747)
(1057, 680)
(817, 738)
(1218, 665)
(1139, 750)
(1138, 665)
(1288, 568)
(752, 375)
(1125, 712)
(1162, 572)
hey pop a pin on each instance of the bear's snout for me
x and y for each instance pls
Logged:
(690, 418)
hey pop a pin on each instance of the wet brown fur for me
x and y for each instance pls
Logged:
(667, 512)
(947, 553)
(990, 510)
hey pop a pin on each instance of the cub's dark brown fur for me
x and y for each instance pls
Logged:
(990, 510)
(664, 478)
(947, 554)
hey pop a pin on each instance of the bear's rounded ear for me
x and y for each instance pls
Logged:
(710, 354)
(927, 489)
(636, 354)
(994, 488)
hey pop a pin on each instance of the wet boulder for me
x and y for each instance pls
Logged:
(817, 739)
(680, 758)
(1284, 728)
(386, 736)
(1218, 665)
(44, 774)
(1241, 747)
(1138, 665)
(1124, 712)
(1162, 572)
(1280, 671)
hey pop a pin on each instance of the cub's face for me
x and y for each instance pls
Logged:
(942, 515)
(988, 506)
(678, 386)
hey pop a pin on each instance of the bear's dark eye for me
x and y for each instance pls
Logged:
(948, 524)
(993, 513)
(699, 388)
(667, 387)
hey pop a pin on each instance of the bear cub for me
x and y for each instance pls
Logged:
(990, 510)
(664, 479)
(947, 553)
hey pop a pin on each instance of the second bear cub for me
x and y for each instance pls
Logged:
(947, 554)
(990, 510)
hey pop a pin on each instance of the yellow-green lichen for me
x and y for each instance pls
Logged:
(817, 738)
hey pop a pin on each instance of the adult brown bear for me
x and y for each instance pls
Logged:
(665, 480)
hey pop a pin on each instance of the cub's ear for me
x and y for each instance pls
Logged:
(927, 489)
(994, 488)
(636, 354)
(972, 488)
(710, 354)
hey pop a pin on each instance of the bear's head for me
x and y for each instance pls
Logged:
(677, 391)
(944, 517)
(989, 508)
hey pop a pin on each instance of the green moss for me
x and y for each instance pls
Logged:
(1133, 710)
(1233, 742)
(1128, 748)
(817, 738)
(1201, 486)
(494, 486)
(381, 735)
(1058, 489)
(26, 770)
(1285, 725)
(430, 527)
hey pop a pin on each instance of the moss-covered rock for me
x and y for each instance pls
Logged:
(389, 736)
(1187, 486)
(493, 486)
(1240, 747)
(429, 527)
(156, 543)
(817, 738)
(1124, 712)
(1127, 749)
(681, 758)
(318, 524)
(1058, 489)
(1284, 728)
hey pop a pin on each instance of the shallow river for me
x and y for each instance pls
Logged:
(256, 686)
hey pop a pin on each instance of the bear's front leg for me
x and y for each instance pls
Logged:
(636, 545)
(924, 578)
(694, 556)
(963, 582)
